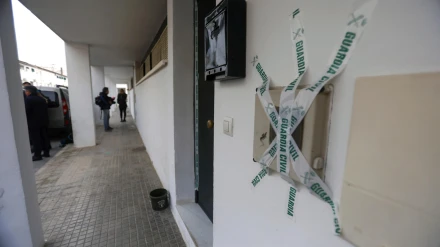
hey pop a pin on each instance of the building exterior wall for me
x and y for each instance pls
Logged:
(97, 74)
(20, 222)
(131, 102)
(154, 122)
(136, 77)
(116, 75)
(161, 103)
(41, 77)
(81, 95)
(257, 216)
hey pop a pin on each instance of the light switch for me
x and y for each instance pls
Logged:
(227, 126)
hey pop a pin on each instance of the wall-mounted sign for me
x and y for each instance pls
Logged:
(225, 41)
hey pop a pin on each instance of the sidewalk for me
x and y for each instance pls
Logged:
(98, 196)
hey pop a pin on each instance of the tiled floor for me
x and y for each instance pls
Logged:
(98, 196)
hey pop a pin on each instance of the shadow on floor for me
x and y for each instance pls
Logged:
(55, 143)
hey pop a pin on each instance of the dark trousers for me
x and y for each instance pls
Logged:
(123, 111)
(40, 140)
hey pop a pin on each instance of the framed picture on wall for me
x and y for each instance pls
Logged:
(225, 41)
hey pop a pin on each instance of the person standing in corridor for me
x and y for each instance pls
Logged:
(106, 103)
(122, 101)
(38, 121)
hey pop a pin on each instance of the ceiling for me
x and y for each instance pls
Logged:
(119, 32)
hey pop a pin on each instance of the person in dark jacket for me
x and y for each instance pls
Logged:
(106, 103)
(38, 121)
(122, 101)
(48, 101)
(25, 84)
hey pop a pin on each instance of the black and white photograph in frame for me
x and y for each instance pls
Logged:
(215, 42)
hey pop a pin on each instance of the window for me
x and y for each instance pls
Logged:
(21, 67)
(147, 64)
(53, 96)
(157, 52)
(33, 70)
(160, 49)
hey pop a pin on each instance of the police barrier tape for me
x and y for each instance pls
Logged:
(281, 123)
(292, 110)
(286, 101)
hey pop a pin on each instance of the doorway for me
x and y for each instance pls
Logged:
(204, 114)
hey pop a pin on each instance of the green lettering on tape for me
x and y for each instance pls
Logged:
(259, 176)
(273, 151)
(261, 72)
(291, 203)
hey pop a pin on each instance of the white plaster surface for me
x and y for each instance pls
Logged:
(20, 223)
(119, 33)
(198, 224)
(131, 103)
(81, 97)
(183, 94)
(154, 121)
(98, 84)
(258, 216)
(164, 111)
(132, 94)
(113, 76)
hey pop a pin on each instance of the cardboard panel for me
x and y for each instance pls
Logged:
(390, 193)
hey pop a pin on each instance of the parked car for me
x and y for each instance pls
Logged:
(59, 108)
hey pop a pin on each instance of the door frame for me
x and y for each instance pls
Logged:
(198, 47)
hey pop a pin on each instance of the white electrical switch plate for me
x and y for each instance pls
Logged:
(227, 126)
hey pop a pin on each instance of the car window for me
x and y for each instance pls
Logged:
(53, 96)
(66, 94)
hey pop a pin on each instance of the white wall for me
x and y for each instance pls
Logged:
(116, 75)
(20, 222)
(155, 122)
(164, 111)
(98, 84)
(183, 94)
(257, 217)
(165, 100)
(132, 93)
(81, 97)
(131, 102)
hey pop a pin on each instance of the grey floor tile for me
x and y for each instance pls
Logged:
(98, 196)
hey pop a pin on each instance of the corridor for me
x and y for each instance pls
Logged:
(98, 196)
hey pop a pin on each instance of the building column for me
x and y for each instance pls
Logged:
(111, 84)
(20, 220)
(81, 97)
(181, 56)
(136, 78)
(98, 84)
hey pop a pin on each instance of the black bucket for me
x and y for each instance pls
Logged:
(159, 199)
